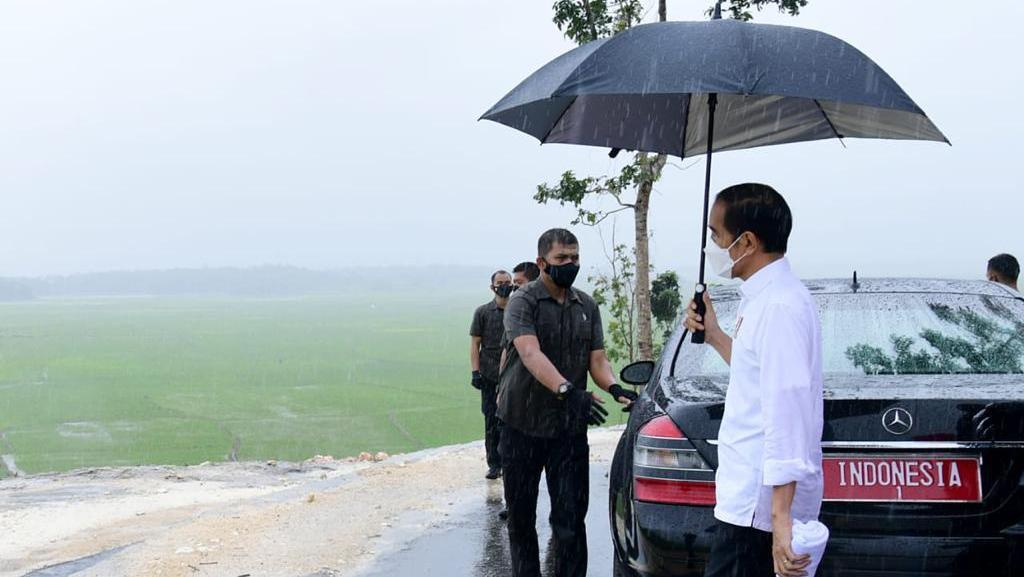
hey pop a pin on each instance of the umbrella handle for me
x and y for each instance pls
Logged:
(698, 296)
(697, 337)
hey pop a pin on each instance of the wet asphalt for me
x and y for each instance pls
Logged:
(474, 543)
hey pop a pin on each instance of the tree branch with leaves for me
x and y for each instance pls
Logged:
(583, 21)
(741, 9)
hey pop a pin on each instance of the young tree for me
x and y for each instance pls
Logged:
(615, 291)
(583, 21)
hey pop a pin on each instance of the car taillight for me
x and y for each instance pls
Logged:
(668, 469)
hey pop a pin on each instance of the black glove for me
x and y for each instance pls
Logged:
(617, 392)
(478, 380)
(581, 410)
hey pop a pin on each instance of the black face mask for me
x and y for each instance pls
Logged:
(563, 275)
(504, 290)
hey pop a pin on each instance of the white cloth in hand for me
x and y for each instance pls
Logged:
(810, 538)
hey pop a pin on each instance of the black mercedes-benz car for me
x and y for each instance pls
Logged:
(923, 439)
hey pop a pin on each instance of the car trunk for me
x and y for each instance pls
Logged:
(923, 480)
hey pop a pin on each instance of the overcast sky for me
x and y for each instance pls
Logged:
(179, 133)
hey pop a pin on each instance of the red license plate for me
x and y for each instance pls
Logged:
(907, 478)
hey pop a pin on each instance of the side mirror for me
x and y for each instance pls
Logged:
(638, 373)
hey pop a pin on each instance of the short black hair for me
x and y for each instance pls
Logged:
(759, 209)
(529, 269)
(496, 273)
(555, 236)
(1005, 266)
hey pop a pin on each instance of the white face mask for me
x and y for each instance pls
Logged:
(719, 259)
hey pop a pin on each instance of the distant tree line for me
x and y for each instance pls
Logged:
(264, 281)
(11, 290)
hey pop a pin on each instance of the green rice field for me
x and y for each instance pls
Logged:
(137, 380)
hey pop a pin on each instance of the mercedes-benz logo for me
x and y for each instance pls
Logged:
(897, 421)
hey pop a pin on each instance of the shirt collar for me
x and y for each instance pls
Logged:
(574, 294)
(764, 277)
(571, 292)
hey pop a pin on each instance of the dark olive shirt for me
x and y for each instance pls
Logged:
(567, 333)
(488, 325)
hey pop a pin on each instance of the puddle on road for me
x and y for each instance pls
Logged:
(69, 568)
(473, 541)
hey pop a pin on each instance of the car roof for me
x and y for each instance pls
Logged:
(889, 286)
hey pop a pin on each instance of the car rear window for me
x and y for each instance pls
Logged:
(889, 345)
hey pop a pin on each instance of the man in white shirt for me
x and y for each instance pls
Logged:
(769, 445)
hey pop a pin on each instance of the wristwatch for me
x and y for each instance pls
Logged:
(564, 388)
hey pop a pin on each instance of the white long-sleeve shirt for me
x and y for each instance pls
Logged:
(774, 410)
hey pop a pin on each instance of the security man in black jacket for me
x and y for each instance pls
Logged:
(486, 337)
(556, 339)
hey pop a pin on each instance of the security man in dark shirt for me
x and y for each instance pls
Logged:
(484, 355)
(556, 338)
(525, 272)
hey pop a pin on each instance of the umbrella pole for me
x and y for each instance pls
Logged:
(698, 296)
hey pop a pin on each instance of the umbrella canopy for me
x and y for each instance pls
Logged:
(685, 88)
(641, 90)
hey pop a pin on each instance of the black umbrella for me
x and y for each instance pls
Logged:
(687, 88)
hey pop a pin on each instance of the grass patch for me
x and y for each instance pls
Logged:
(129, 381)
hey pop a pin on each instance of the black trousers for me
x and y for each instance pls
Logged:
(740, 552)
(492, 426)
(566, 464)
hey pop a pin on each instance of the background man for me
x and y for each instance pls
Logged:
(769, 445)
(1004, 269)
(484, 356)
(557, 338)
(525, 272)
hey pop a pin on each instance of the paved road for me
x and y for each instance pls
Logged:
(475, 544)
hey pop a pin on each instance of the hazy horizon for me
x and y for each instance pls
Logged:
(263, 266)
(437, 267)
(166, 135)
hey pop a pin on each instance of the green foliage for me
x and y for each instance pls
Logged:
(583, 21)
(615, 293)
(88, 382)
(569, 190)
(572, 190)
(992, 348)
(665, 304)
(871, 360)
(740, 9)
(665, 298)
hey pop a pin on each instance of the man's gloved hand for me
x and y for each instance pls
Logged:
(582, 409)
(478, 380)
(623, 396)
(597, 413)
(618, 393)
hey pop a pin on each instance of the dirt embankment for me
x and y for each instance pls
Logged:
(320, 517)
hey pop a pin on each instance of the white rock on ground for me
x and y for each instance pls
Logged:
(323, 515)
